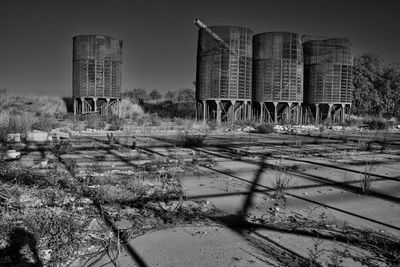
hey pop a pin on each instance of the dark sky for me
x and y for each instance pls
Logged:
(160, 38)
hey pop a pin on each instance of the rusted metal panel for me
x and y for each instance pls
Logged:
(328, 66)
(97, 66)
(224, 73)
(277, 67)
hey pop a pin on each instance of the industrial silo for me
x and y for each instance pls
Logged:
(277, 77)
(328, 84)
(97, 67)
(224, 73)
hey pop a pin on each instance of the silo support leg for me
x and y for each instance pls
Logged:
(288, 114)
(82, 105)
(107, 106)
(197, 111)
(233, 115)
(343, 113)
(330, 113)
(299, 119)
(75, 106)
(349, 112)
(262, 112)
(119, 108)
(249, 109)
(316, 114)
(306, 115)
(276, 112)
(204, 111)
(245, 114)
(95, 104)
(218, 111)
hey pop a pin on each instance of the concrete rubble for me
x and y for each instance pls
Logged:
(14, 138)
(59, 134)
(37, 136)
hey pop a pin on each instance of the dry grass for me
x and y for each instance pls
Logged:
(10, 123)
(33, 104)
(128, 110)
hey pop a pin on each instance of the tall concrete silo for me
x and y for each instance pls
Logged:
(224, 73)
(277, 77)
(328, 84)
(97, 73)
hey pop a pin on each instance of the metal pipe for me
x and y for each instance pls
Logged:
(213, 35)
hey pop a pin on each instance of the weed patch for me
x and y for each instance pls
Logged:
(189, 140)
(61, 147)
(366, 180)
(265, 128)
(116, 123)
(94, 122)
(375, 123)
(45, 123)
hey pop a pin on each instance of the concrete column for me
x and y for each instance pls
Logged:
(316, 114)
(330, 113)
(249, 110)
(119, 107)
(75, 106)
(306, 114)
(233, 114)
(218, 102)
(197, 110)
(343, 113)
(349, 112)
(276, 112)
(262, 112)
(95, 104)
(244, 114)
(107, 105)
(204, 111)
(82, 105)
(288, 117)
(300, 115)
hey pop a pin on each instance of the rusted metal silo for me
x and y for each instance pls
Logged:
(277, 77)
(328, 66)
(97, 73)
(224, 72)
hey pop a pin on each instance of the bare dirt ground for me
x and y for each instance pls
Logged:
(259, 200)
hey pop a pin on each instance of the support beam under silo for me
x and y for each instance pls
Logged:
(219, 121)
(204, 111)
(276, 112)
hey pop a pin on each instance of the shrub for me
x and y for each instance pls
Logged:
(44, 123)
(32, 104)
(366, 180)
(95, 122)
(265, 128)
(116, 123)
(149, 120)
(127, 110)
(112, 139)
(375, 123)
(179, 121)
(280, 185)
(212, 125)
(61, 147)
(245, 123)
(189, 140)
(14, 123)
